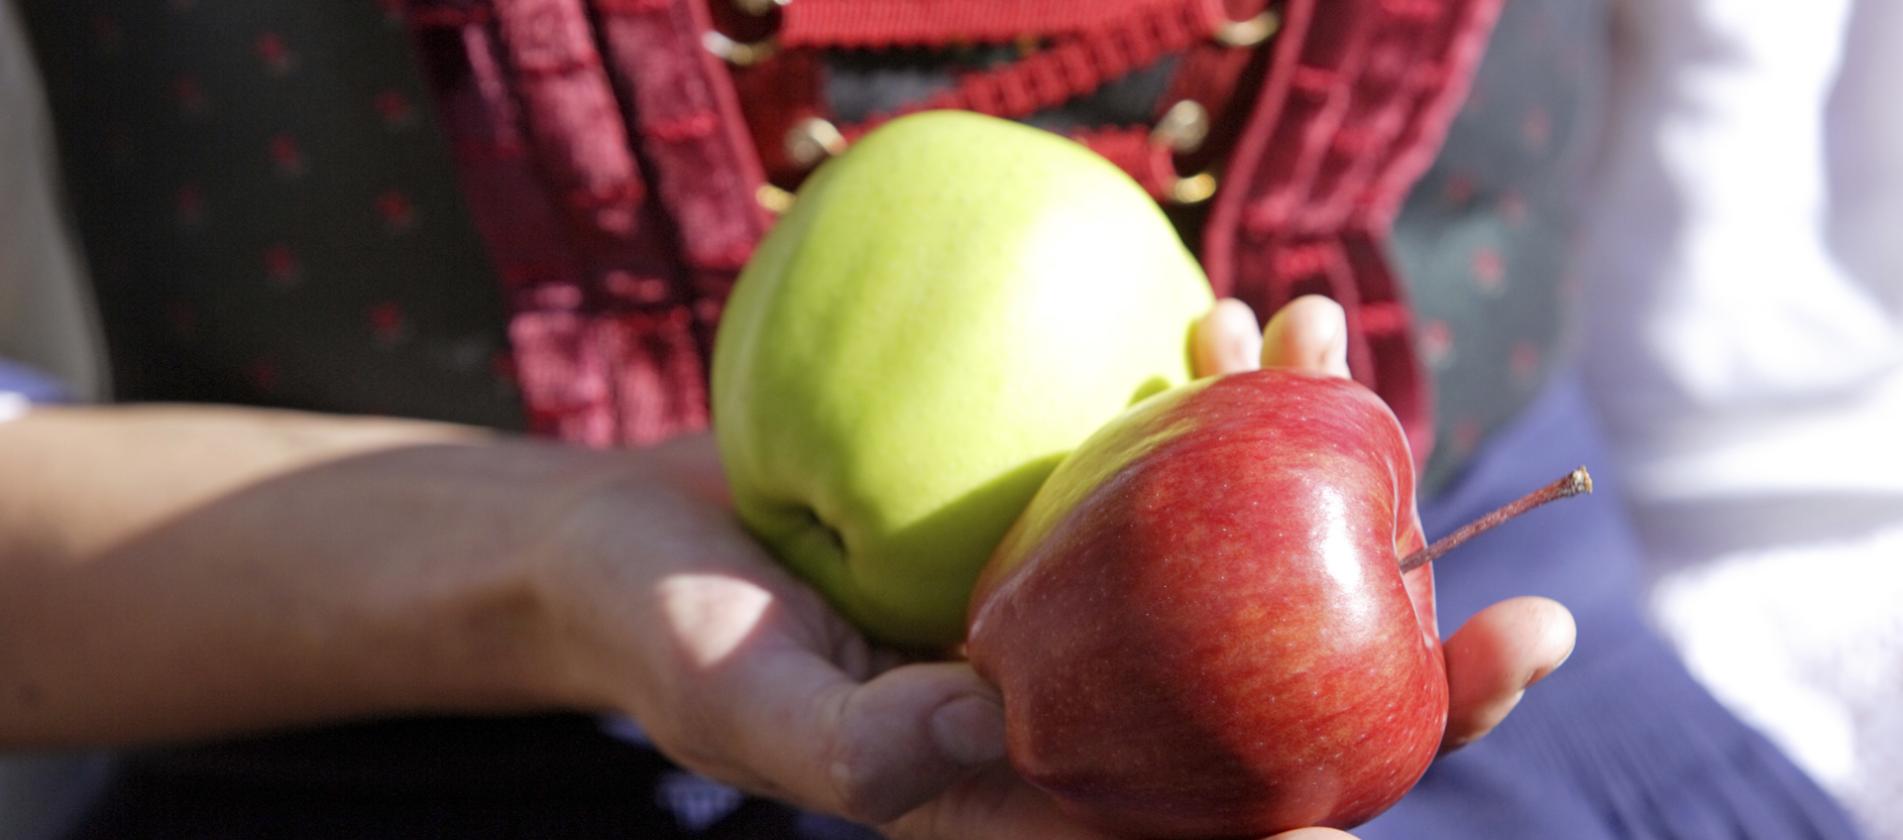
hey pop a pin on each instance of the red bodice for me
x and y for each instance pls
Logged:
(621, 157)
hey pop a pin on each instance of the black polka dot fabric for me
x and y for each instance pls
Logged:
(268, 212)
(1484, 239)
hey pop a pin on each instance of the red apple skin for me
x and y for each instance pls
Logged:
(1199, 626)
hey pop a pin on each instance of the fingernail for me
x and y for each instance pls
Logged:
(1244, 349)
(1541, 673)
(970, 730)
(1243, 353)
(1332, 340)
(1490, 717)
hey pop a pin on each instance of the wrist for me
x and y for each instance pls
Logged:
(297, 568)
(569, 605)
(614, 534)
(500, 628)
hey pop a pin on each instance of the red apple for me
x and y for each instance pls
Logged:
(1200, 625)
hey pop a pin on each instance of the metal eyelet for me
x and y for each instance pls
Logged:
(738, 53)
(1182, 130)
(1183, 127)
(813, 140)
(773, 199)
(1194, 189)
(1248, 33)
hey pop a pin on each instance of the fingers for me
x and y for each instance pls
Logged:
(1309, 334)
(869, 752)
(1227, 339)
(1495, 656)
(909, 734)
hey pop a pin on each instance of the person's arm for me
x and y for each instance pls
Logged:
(176, 573)
(181, 572)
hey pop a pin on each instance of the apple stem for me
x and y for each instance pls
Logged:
(1571, 484)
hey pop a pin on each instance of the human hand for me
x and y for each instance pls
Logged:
(1490, 661)
(737, 670)
(741, 673)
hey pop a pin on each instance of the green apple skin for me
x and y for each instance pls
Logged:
(947, 310)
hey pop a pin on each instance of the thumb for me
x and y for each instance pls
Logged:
(909, 734)
(867, 751)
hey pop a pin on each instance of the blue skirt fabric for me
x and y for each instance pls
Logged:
(26, 384)
(1619, 743)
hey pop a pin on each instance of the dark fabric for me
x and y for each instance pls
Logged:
(1485, 238)
(1620, 742)
(267, 209)
(522, 778)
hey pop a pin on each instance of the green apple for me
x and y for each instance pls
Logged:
(948, 309)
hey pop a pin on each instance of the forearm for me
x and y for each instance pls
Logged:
(182, 572)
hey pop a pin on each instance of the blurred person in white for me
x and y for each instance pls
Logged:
(1744, 338)
(44, 320)
(45, 324)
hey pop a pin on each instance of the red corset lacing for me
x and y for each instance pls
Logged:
(621, 158)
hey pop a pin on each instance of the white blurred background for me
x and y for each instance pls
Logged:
(1744, 338)
(43, 323)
